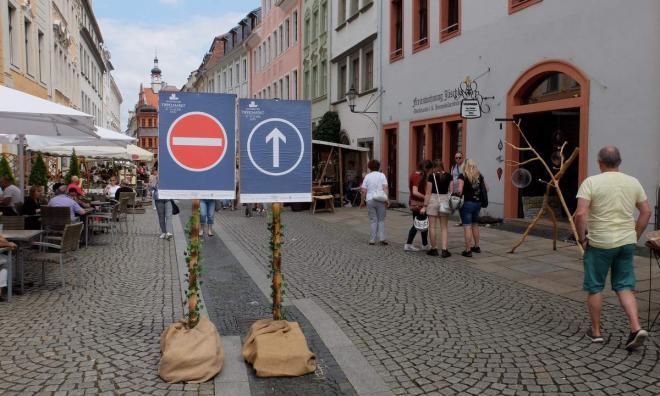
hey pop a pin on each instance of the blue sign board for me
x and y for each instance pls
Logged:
(197, 146)
(276, 151)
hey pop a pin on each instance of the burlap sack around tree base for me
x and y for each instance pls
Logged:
(277, 348)
(190, 355)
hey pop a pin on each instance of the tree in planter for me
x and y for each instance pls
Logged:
(329, 128)
(5, 170)
(74, 168)
(39, 172)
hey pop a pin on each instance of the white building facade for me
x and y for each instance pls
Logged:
(112, 101)
(91, 62)
(571, 72)
(354, 63)
(316, 51)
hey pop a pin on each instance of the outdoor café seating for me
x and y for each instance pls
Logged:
(70, 242)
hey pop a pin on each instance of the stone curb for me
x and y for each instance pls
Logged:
(233, 379)
(357, 369)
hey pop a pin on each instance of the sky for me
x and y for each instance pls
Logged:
(181, 31)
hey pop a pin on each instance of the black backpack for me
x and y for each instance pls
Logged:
(483, 193)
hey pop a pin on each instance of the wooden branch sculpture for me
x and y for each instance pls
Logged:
(554, 183)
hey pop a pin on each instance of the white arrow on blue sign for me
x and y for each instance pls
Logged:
(276, 162)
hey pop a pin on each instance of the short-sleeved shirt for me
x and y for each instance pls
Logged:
(443, 180)
(414, 180)
(613, 198)
(472, 191)
(65, 201)
(13, 192)
(373, 182)
(75, 187)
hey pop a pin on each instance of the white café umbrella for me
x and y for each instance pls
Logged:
(23, 114)
(130, 152)
(103, 137)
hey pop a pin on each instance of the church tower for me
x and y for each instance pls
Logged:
(156, 82)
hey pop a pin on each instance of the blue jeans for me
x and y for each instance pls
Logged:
(470, 212)
(206, 211)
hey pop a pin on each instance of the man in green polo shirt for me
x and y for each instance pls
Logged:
(606, 206)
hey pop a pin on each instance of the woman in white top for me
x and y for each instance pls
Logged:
(111, 188)
(375, 193)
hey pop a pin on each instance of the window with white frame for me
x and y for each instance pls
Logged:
(287, 33)
(275, 49)
(315, 24)
(324, 77)
(41, 48)
(13, 36)
(341, 12)
(287, 87)
(295, 26)
(368, 69)
(294, 85)
(354, 7)
(355, 71)
(324, 17)
(342, 79)
(237, 73)
(245, 69)
(281, 36)
(306, 84)
(28, 47)
(315, 81)
(306, 31)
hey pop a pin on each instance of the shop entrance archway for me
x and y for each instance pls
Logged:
(552, 100)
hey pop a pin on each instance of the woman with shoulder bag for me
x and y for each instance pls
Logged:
(472, 187)
(374, 197)
(417, 186)
(436, 205)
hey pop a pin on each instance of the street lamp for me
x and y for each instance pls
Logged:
(351, 95)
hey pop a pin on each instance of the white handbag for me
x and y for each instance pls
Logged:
(443, 207)
(421, 222)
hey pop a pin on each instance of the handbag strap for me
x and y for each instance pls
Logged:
(436, 186)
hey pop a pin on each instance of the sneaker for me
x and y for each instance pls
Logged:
(162, 236)
(426, 247)
(466, 253)
(475, 249)
(636, 339)
(433, 252)
(201, 232)
(168, 236)
(410, 248)
(384, 243)
(445, 253)
(595, 339)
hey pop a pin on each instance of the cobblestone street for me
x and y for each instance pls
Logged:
(434, 326)
(102, 337)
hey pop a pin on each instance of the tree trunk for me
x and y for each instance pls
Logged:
(277, 261)
(193, 287)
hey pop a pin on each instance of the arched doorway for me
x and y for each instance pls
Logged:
(552, 101)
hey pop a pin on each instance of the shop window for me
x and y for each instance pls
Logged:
(552, 86)
(436, 141)
(450, 19)
(517, 5)
(396, 30)
(420, 25)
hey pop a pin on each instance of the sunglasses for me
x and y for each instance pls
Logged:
(458, 157)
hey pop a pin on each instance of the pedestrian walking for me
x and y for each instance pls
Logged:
(375, 197)
(206, 213)
(606, 205)
(473, 188)
(163, 209)
(417, 188)
(436, 205)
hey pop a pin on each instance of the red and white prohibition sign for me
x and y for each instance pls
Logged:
(197, 141)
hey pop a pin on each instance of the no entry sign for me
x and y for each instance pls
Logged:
(197, 141)
(197, 148)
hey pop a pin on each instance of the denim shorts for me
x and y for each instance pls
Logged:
(597, 263)
(470, 212)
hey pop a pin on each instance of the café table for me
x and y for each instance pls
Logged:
(19, 237)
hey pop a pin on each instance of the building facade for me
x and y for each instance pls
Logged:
(355, 50)
(112, 101)
(26, 35)
(565, 77)
(232, 71)
(315, 57)
(275, 51)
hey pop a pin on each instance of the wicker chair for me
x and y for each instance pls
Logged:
(53, 221)
(13, 222)
(70, 243)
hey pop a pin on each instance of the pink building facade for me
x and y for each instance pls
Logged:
(275, 51)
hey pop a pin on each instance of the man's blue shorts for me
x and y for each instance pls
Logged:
(597, 263)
